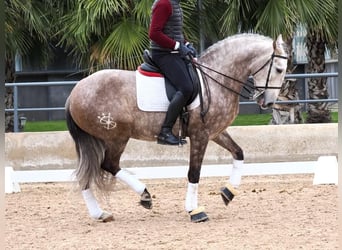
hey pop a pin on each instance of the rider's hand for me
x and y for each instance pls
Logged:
(193, 50)
(184, 51)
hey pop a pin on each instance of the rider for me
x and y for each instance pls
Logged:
(168, 50)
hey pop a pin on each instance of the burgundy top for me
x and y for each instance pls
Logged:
(160, 14)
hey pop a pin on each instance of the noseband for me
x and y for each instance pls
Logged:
(269, 71)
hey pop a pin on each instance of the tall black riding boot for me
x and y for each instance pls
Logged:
(166, 136)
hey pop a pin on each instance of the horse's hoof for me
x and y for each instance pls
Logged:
(146, 204)
(146, 200)
(198, 215)
(227, 193)
(106, 217)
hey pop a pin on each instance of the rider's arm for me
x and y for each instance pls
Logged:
(160, 14)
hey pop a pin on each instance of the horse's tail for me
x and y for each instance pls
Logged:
(90, 153)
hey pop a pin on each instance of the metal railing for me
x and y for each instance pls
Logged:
(16, 109)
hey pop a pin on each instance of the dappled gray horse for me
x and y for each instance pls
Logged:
(102, 115)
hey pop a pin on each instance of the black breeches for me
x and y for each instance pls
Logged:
(175, 69)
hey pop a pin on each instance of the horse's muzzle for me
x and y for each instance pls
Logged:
(263, 105)
(263, 100)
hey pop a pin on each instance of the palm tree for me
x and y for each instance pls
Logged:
(26, 26)
(322, 32)
(104, 34)
(274, 17)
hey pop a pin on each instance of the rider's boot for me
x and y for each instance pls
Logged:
(166, 136)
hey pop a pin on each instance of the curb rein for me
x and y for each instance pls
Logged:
(244, 85)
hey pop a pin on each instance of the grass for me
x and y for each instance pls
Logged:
(241, 120)
(264, 119)
(252, 119)
(41, 126)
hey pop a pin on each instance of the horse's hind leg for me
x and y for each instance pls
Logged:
(137, 186)
(111, 164)
(225, 141)
(93, 207)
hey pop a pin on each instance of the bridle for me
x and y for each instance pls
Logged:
(244, 84)
(269, 71)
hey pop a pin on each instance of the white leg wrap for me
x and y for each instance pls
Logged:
(191, 202)
(235, 177)
(131, 181)
(93, 207)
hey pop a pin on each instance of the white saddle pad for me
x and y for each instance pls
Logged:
(151, 93)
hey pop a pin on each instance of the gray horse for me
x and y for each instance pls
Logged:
(102, 115)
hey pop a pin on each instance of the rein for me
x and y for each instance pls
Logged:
(244, 84)
(200, 66)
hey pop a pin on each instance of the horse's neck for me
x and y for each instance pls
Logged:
(235, 57)
(237, 61)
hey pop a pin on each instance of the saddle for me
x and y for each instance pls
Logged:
(150, 66)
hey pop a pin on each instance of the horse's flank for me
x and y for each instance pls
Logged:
(110, 95)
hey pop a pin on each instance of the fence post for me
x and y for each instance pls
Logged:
(15, 107)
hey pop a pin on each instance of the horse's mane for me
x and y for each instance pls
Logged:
(233, 38)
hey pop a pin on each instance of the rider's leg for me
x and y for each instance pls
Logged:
(175, 69)
(166, 136)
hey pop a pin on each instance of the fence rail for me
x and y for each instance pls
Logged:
(16, 109)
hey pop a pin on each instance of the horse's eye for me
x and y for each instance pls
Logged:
(279, 70)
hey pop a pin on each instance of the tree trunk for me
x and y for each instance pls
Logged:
(317, 112)
(9, 73)
(287, 113)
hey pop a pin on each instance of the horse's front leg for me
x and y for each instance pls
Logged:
(229, 191)
(197, 151)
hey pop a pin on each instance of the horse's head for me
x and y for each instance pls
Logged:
(269, 76)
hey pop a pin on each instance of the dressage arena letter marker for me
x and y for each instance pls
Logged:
(107, 121)
(326, 170)
(11, 186)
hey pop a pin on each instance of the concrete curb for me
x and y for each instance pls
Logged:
(269, 143)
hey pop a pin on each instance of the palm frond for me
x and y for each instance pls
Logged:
(124, 46)
(142, 12)
(271, 18)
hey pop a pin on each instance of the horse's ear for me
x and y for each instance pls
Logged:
(278, 43)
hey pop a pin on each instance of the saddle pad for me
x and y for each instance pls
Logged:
(151, 93)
